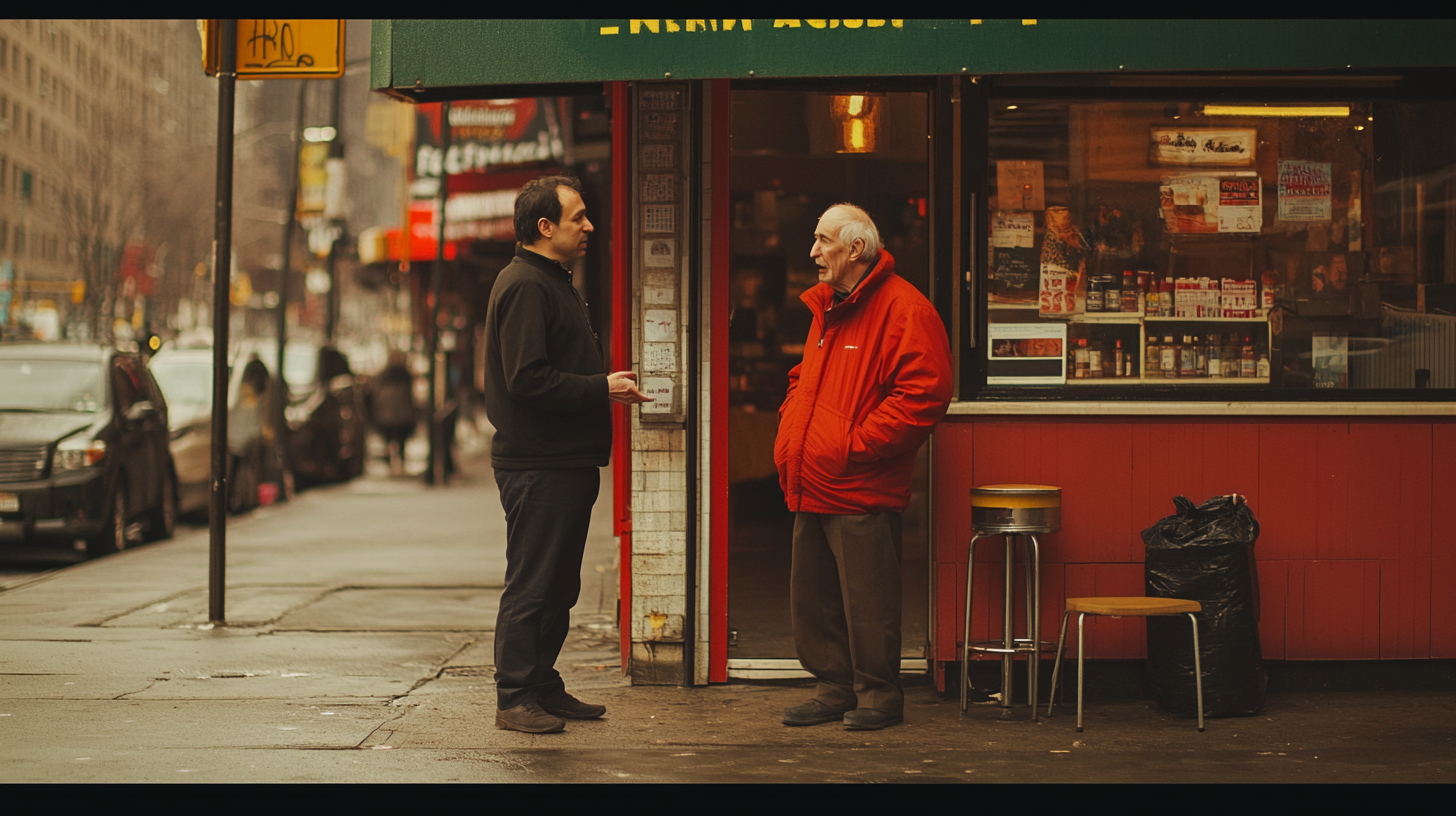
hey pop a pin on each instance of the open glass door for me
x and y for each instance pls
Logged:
(794, 153)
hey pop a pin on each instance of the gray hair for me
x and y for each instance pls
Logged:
(858, 226)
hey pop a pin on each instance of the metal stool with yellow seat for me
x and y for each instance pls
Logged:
(1117, 608)
(1011, 511)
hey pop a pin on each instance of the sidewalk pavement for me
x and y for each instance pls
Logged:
(358, 649)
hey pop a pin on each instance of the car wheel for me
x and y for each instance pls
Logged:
(163, 522)
(113, 538)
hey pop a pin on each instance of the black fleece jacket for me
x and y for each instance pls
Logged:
(546, 385)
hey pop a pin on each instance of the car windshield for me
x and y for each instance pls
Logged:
(187, 386)
(52, 385)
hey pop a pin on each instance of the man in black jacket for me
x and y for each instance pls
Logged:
(548, 396)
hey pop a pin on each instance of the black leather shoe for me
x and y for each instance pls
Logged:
(868, 719)
(528, 719)
(812, 713)
(572, 708)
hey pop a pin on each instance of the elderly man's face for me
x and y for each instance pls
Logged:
(840, 264)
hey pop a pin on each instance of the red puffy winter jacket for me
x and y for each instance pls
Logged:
(875, 378)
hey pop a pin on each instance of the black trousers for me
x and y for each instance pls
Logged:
(547, 516)
(844, 597)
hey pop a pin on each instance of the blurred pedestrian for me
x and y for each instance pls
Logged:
(394, 412)
(548, 395)
(249, 427)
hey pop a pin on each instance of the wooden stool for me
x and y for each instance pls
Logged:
(1118, 608)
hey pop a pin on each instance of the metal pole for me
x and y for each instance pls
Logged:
(331, 302)
(221, 269)
(436, 474)
(280, 398)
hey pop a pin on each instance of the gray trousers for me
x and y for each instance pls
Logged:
(845, 600)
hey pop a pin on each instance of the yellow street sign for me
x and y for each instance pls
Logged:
(280, 49)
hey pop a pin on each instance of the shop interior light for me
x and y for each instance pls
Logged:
(319, 134)
(858, 116)
(1290, 111)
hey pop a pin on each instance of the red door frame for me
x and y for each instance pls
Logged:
(718, 388)
(621, 353)
(718, 373)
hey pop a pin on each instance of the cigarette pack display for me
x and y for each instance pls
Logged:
(1196, 297)
(1240, 298)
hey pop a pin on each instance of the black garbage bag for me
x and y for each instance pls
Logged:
(1206, 554)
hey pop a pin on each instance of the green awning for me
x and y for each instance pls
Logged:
(435, 59)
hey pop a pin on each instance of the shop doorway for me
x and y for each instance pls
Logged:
(794, 153)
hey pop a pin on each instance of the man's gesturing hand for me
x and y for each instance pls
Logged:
(622, 387)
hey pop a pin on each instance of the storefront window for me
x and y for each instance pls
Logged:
(1194, 247)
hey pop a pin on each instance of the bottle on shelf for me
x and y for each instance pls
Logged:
(1215, 357)
(1153, 359)
(1119, 360)
(1248, 364)
(1261, 369)
(1130, 293)
(1231, 356)
(1165, 298)
(1202, 356)
(1094, 360)
(1151, 299)
(1170, 358)
(1188, 359)
(1083, 359)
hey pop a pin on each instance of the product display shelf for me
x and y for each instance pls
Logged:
(1191, 382)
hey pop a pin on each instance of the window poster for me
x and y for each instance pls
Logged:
(1019, 185)
(1305, 191)
(1212, 203)
(1026, 354)
(1230, 147)
(1013, 257)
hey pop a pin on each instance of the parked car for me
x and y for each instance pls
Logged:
(83, 448)
(326, 417)
(185, 376)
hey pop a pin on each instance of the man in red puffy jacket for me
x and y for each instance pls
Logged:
(875, 378)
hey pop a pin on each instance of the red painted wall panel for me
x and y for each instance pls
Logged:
(1287, 482)
(1273, 598)
(1333, 610)
(1443, 541)
(1355, 557)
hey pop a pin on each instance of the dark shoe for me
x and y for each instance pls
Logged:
(528, 719)
(572, 708)
(868, 719)
(812, 713)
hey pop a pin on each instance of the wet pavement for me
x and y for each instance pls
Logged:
(358, 649)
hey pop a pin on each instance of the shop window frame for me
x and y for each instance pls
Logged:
(979, 94)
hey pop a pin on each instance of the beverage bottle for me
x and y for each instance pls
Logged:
(1170, 358)
(1165, 298)
(1202, 356)
(1262, 368)
(1151, 299)
(1248, 364)
(1083, 359)
(1231, 356)
(1153, 359)
(1130, 293)
(1215, 357)
(1188, 359)
(1119, 360)
(1094, 360)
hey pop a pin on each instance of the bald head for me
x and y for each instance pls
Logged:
(846, 242)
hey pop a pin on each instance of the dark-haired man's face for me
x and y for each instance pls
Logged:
(566, 241)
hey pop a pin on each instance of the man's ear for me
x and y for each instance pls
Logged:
(545, 226)
(856, 249)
